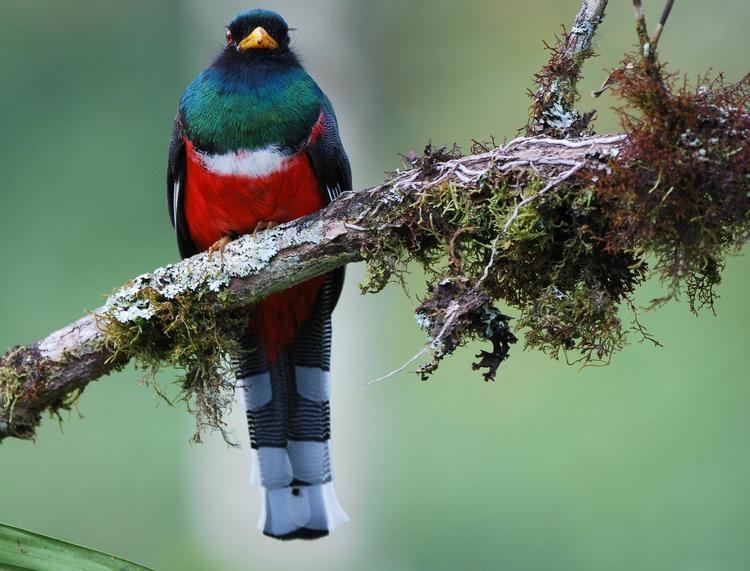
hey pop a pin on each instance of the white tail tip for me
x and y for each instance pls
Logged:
(301, 512)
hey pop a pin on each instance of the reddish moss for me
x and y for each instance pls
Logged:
(680, 189)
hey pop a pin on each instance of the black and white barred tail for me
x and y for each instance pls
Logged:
(288, 415)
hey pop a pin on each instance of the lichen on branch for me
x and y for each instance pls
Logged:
(177, 317)
(546, 236)
(553, 109)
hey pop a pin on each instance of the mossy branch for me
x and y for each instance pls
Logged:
(561, 230)
(184, 314)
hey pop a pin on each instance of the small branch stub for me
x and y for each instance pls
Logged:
(553, 111)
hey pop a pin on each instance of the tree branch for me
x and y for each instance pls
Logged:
(581, 37)
(51, 372)
(561, 228)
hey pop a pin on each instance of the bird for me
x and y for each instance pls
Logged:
(256, 143)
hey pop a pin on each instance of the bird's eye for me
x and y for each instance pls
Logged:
(230, 39)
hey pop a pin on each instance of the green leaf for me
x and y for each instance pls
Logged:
(22, 550)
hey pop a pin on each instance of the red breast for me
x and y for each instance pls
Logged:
(231, 194)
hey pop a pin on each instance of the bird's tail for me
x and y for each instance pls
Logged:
(288, 415)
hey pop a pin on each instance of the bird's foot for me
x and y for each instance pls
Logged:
(264, 225)
(219, 246)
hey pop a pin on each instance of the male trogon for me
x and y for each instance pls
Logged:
(256, 143)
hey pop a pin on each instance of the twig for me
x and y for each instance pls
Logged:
(452, 312)
(402, 368)
(649, 45)
(662, 23)
(641, 28)
(580, 39)
(553, 109)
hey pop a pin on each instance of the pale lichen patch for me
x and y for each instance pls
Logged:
(180, 316)
(198, 274)
(177, 316)
(560, 116)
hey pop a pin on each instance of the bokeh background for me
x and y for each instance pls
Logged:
(640, 465)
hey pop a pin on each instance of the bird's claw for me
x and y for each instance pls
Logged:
(264, 225)
(219, 246)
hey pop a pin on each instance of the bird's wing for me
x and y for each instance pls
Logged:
(331, 167)
(328, 158)
(176, 172)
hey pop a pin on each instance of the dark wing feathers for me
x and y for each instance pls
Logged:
(175, 165)
(329, 160)
(331, 166)
(176, 172)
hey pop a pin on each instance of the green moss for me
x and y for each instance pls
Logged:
(23, 374)
(546, 259)
(187, 332)
(176, 317)
(583, 322)
(11, 382)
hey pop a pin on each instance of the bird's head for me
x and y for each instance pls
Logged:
(258, 31)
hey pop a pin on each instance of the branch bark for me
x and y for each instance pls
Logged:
(581, 37)
(559, 226)
(553, 110)
(45, 376)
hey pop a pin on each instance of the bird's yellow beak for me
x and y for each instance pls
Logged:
(258, 39)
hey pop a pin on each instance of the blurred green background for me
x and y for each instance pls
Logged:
(640, 465)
